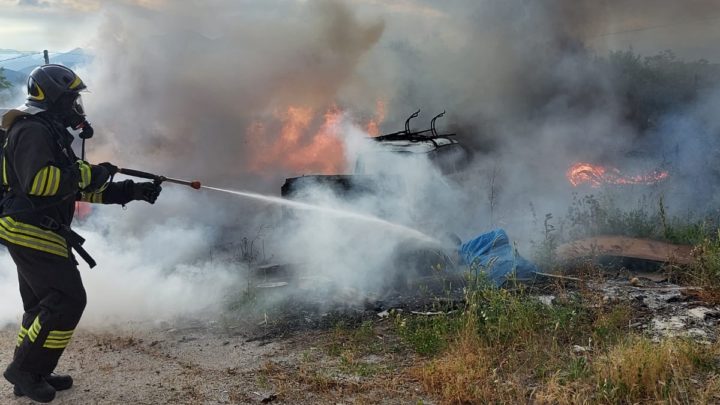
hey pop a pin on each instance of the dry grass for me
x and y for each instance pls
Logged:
(466, 374)
(705, 271)
(511, 350)
(640, 370)
(347, 365)
(633, 371)
(506, 347)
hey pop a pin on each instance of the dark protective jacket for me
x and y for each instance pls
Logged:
(43, 178)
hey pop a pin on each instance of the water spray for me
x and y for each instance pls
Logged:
(336, 212)
(408, 232)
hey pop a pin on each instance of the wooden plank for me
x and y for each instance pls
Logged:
(623, 246)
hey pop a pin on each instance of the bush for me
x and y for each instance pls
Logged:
(654, 86)
(593, 215)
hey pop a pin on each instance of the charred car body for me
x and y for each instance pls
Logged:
(443, 150)
(411, 262)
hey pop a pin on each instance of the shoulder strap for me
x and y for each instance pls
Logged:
(55, 201)
(4, 184)
(9, 117)
(60, 136)
(3, 162)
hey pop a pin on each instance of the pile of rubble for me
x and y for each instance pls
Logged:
(659, 308)
(664, 309)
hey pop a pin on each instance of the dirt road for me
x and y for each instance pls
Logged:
(205, 366)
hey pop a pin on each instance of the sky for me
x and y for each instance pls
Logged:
(32, 25)
(60, 25)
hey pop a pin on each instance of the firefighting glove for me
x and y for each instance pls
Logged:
(146, 191)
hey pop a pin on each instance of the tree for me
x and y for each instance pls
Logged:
(5, 87)
(4, 83)
(653, 87)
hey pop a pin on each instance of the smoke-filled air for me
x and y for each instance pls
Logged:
(244, 95)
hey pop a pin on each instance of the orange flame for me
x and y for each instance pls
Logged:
(373, 127)
(82, 210)
(305, 144)
(597, 175)
(299, 148)
(325, 153)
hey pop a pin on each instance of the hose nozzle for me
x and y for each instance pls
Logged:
(159, 179)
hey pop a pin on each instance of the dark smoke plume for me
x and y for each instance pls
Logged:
(184, 88)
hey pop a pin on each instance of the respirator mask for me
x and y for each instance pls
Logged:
(71, 112)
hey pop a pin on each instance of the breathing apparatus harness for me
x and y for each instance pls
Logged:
(73, 239)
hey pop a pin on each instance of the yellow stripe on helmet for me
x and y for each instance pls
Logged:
(40, 96)
(77, 82)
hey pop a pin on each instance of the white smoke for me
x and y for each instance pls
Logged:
(177, 87)
(364, 255)
(153, 274)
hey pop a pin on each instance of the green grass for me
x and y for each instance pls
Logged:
(427, 335)
(361, 339)
(596, 215)
(506, 346)
(592, 215)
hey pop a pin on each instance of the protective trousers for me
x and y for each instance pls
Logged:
(53, 299)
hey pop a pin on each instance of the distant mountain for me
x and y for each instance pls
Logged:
(14, 76)
(24, 62)
(73, 58)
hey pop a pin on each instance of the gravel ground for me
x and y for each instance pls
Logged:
(197, 366)
(175, 366)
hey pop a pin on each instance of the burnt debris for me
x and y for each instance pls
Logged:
(444, 150)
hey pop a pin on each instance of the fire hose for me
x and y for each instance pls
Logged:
(128, 172)
(159, 179)
(76, 241)
(71, 237)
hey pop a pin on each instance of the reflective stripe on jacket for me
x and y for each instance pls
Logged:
(39, 170)
(32, 237)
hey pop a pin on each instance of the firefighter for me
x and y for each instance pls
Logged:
(42, 178)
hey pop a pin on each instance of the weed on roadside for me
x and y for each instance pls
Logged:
(512, 348)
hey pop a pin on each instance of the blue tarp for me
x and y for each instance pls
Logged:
(492, 254)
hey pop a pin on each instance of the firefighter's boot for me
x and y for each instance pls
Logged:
(58, 381)
(31, 384)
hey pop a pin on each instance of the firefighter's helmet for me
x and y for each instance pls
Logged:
(47, 84)
(56, 89)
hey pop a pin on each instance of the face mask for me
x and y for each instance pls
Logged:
(77, 106)
(75, 115)
(70, 111)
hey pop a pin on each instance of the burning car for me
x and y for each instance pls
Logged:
(411, 261)
(443, 150)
